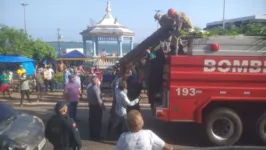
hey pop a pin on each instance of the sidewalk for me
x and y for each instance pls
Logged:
(50, 99)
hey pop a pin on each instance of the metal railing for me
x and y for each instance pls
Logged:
(105, 62)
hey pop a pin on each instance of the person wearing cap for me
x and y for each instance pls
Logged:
(96, 106)
(137, 138)
(72, 92)
(20, 71)
(61, 130)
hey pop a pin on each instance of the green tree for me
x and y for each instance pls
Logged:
(253, 29)
(13, 41)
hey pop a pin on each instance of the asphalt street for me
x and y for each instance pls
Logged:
(178, 135)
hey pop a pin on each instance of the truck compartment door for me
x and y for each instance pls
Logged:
(182, 104)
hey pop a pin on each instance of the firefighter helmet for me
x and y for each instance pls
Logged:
(171, 12)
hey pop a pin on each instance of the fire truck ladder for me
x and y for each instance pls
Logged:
(161, 34)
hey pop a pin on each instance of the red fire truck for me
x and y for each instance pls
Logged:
(220, 83)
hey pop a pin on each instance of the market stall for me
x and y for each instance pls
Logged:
(12, 63)
(74, 58)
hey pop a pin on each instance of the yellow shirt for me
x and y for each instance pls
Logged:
(46, 74)
(10, 77)
(20, 72)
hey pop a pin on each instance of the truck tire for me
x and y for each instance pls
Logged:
(261, 128)
(224, 127)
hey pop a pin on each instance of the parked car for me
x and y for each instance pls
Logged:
(20, 131)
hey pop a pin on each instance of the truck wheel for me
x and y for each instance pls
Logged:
(261, 128)
(224, 127)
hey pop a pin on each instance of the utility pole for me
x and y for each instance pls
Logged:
(24, 6)
(59, 36)
(224, 15)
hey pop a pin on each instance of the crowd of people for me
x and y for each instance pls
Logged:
(40, 81)
(125, 117)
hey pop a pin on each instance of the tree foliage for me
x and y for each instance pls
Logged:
(13, 41)
(253, 29)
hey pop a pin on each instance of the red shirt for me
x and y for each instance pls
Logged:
(99, 74)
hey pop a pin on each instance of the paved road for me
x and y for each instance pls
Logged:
(180, 136)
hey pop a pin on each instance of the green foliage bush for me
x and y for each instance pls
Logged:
(253, 29)
(14, 41)
(59, 77)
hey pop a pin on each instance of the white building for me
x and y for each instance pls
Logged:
(238, 21)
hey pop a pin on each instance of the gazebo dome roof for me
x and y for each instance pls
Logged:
(108, 26)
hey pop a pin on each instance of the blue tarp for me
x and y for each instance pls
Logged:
(10, 60)
(14, 59)
(72, 54)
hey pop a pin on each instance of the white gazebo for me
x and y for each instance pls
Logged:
(108, 29)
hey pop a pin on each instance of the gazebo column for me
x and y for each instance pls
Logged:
(97, 45)
(120, 46)
(94, 47)
(84, 46)
(131, 43)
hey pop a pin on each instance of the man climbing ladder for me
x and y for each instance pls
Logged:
(180, 21)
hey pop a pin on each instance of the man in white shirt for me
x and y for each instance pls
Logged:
(138, 138)
(48, 78)
(122, 102)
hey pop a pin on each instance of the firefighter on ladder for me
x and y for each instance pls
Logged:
(180, 21)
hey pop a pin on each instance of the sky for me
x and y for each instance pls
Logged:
(72, 16)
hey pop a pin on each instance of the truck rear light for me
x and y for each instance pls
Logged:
(215, 47)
